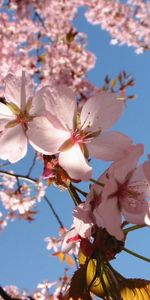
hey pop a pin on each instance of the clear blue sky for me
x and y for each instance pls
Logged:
(24, 259)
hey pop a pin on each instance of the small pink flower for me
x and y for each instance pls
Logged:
(124, 193)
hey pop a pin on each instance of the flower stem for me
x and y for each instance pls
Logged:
(79, 190)
(53, 211)
(22, 177)
(135, 227)
(74, 194)
(97, 182)
(136, 255)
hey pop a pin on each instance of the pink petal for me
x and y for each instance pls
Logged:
(75, 164)
(61, 105)
(146, 168)
(18, 88)
(44, 137)
(128, 164)
(13, 144)
(109, 146)
(96, 189)
(38, 105)
(136, 211)
(107, 215)
(101, 111)
(139, 182)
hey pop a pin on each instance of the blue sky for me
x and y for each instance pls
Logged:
(24, 259)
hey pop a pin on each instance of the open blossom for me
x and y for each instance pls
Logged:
(121, 195)
(124, 194)
(75, 134)
(20, 108)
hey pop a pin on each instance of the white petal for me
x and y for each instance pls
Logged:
(101, 111)
(109, 146)
(18, 89)
(66, 244)
(61, 105)
(13, 144)
(44, 137)
(82, 221)
(5, 111)
(6, 116)
(75, 164)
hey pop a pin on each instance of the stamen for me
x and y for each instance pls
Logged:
(81, 127)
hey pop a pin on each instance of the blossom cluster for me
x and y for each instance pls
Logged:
(68, 122)
(49, 46)
(57, 126)
(44, 291)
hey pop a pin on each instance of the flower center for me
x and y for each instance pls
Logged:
(125, 191)
(78, 136)
(22, 117)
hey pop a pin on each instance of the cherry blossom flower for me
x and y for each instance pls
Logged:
(53, 243)
(44, 287)
(83, 220)
(20, 109)
(77, 135)
(69, 242)
(124, 193)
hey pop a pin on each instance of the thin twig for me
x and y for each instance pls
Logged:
(53, 211)
(76, 199)
(135, 227)
(136, 255)
(80, 191)
(19, 176)
(97, 182)
(33, 163)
